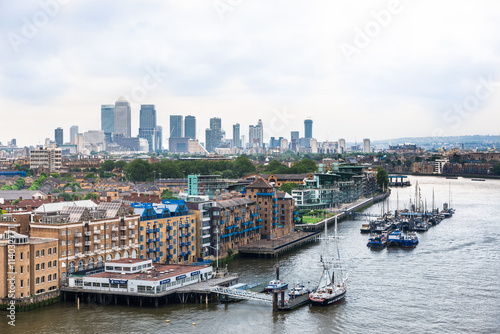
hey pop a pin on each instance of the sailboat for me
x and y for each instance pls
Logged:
(332, 286)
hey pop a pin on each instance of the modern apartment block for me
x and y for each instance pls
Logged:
(49, 159)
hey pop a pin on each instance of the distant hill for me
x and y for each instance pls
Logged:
(454, 141)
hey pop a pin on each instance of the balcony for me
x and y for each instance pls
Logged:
(157, 239)
(88, 233)
(123, 237)
(78, 244)
(88, 243)
(88, 253)
(170, 257)
(114, 229)
(97, 231)
(114, 238)
(238, 218)
(149, 241)
(275, 199)
(169, 237)
(275, 205)
(169, 247)
(169, 228)
(78, 234)
(123, 228)
(254, 215)
(156, 230)
(265, 194)
(148, 230)
(97, 241)
(132, 235)
(188, 225)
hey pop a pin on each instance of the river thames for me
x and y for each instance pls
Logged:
(449, 283)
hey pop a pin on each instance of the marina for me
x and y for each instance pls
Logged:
(450, 251)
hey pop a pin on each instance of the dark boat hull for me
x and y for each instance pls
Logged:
(329, 301)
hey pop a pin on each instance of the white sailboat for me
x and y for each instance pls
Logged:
(332, 286)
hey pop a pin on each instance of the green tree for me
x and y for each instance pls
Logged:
(108, 166)
(138, 170)
(382, 178)
(92, 196)
(6, 187)
(288, 187)
(55, 175)
(68, 178)
(120, 164)
(272, 166)
(496, 169)
(167, 194)
(66, 197)
(242, 166)
(90, 176)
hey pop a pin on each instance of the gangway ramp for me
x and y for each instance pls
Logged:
(242, 294)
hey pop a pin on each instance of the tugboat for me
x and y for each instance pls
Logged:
(409, 240)
(332, 286)
(276, 285)
(377, 241)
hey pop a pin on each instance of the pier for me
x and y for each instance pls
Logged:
(399, 181)
(343, 212)
(274, 247)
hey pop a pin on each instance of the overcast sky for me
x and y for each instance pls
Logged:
(376, 69)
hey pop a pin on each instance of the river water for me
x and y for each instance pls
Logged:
(449, 283)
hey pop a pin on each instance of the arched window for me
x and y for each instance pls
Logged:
(71, 267)
(99, 261)
(109, 257)
(81, 265)
(37, 253)
(134, 254)
(90, 265)
(125, 255)
(117, 256)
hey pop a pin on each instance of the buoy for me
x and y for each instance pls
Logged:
(167, 321)
(194, 324)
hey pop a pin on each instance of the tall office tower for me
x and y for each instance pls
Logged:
(190, 127)
(72, 134)
(294, 140)
(216, 127)
(123, 118)
(256, 135)
(308, 128)
(58, 134)
(341, 145)
(108, 121)
(148, 128)
(236, 135)
(209, 145)
(366, 145)
(175, 126)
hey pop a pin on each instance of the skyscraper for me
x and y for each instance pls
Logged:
(236, 135)
(108, 121)
(294, 140)
(366, 145)
(148, 128)
(213, 135)
(123, 117)
(256, 134)
(341, 145)
(190, 127)
(58, 134)
(175, 126)
(72, 134)
(308, 128)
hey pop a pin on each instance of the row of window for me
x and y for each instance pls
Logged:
(39, 253)
(41, 280)
(50, 264)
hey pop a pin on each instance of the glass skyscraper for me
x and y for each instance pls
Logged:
(236, 135)
(308, 127)
(123, 117)
(148, 128)
(108, 121)
(58, 134)
(190, 127)
(175, 126)
(72, 134)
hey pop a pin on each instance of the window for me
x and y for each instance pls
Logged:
(37, 253)
(22, 284)
(21, 255)
(43, 266)
(49, 264)
(43, 252)
(38, 280)
(63, 243)
(54, 263)
(49, 278)
(49, 251)
(69, 232)
(63, 253)
(22, 269)
(69, 251)
(54, 276)
(37, 267)
(63, 232)
(69, 242)
(54, 250)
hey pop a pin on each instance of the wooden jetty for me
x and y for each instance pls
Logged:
(275, 247)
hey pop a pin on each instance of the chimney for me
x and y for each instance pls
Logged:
(20, 198)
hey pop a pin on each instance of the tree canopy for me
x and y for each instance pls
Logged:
(382, 178)
(288, 187)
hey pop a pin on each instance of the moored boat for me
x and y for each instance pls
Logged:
(276, 285)
(377, 241)
(409, 240)
(298, 290)
(365, 228)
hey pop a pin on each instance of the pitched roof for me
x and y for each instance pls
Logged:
(25, 194)
(228, 203)
(260, 183)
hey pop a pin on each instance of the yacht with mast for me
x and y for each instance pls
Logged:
(332, 286)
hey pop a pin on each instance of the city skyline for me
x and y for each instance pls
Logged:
(358, 70)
